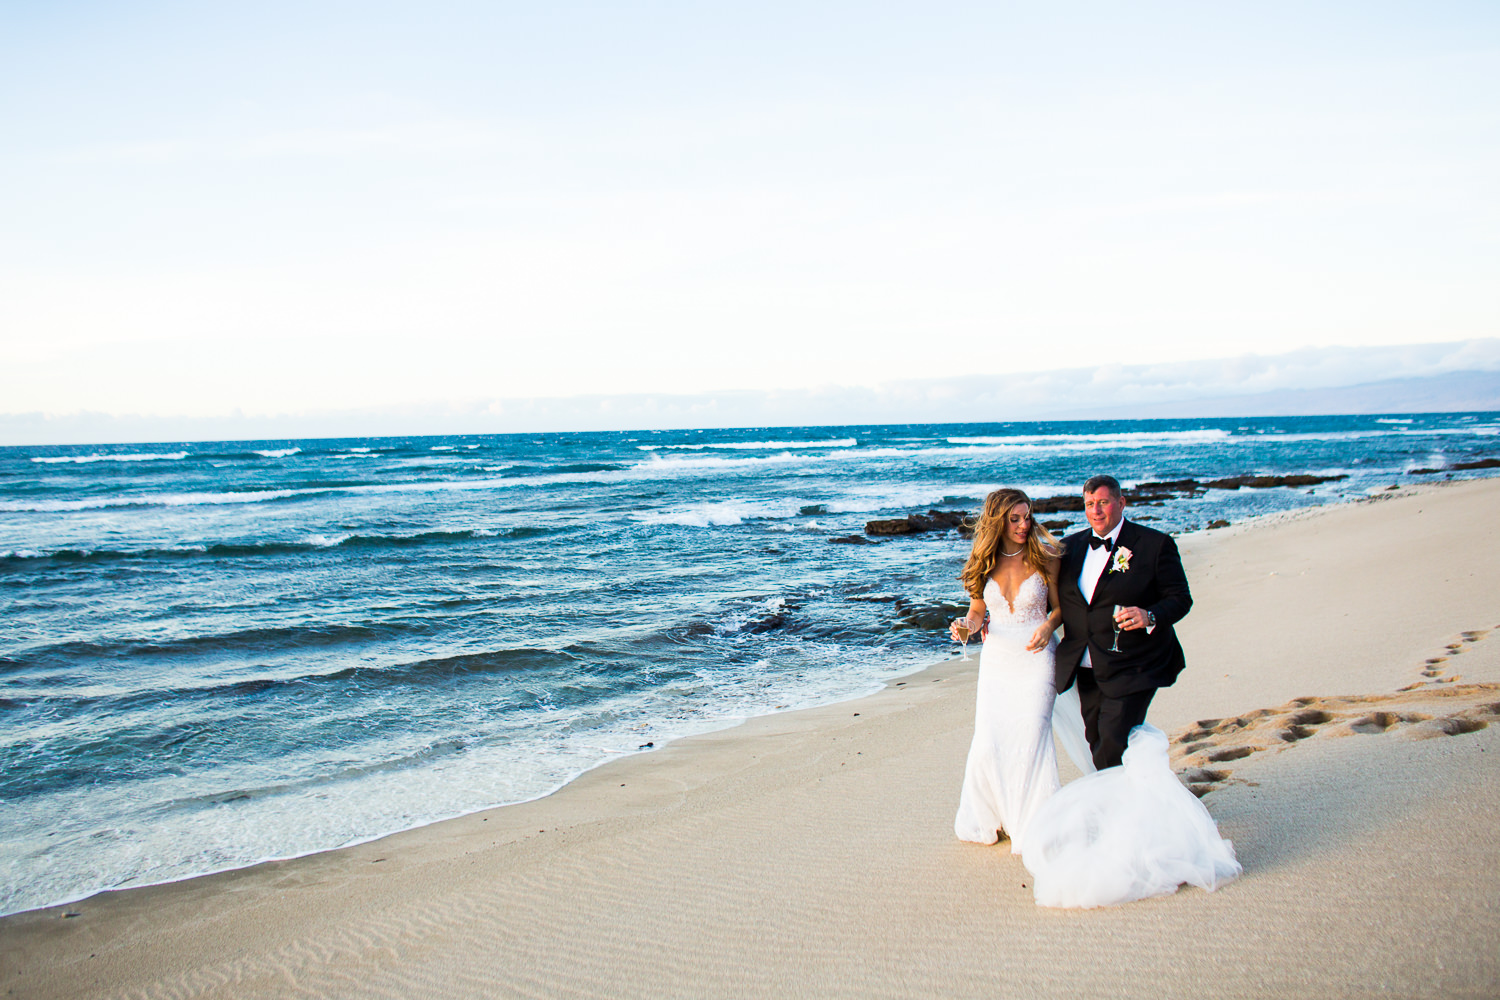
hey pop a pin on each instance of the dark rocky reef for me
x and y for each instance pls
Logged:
(1268, 482)
(1143, 495)
(1156, 494)
(1169, 489)
(1140, 495)
(1483, 463)
(916, 524)
(935, 615)
(1068, 503)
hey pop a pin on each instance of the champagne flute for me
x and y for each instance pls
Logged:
(963, 629)
(1116, 647)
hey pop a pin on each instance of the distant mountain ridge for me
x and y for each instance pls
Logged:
(1453, 392)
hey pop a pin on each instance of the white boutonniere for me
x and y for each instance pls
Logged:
(1121, 561)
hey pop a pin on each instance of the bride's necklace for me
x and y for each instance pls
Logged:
(1006, 555)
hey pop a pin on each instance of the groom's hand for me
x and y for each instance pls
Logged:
(1130, 619)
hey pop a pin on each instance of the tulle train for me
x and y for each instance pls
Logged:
(1125, 833)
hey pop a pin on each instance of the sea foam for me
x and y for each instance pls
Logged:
(85, 459)
(750, 445)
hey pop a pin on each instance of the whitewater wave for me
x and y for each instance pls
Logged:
(284, 640)
(307, 543)
(867, 500)
(240, 641)
(1129, 439)
(175, 456)
(658, 463)
(161, 500)
(750, 445)
(538, 471)
(719, 513)
(1402, 432)
(261, 496)
(871, 499)
(279, 452)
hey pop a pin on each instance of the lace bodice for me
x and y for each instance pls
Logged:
(1031, 604)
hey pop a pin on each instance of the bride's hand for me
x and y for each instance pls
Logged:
(953, 629)
(1039, 639)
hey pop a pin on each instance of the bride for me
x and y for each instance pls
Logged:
(1012, 575)
(1121, 834)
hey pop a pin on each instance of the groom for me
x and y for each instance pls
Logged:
(1119, 563)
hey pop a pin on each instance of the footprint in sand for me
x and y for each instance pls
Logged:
(1424, 712)
(1201, 780)
(1379, 722)
(1233, 753)
(1310, 717)
(1433, 670)
(1452, 726)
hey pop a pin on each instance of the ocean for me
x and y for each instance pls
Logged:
(213, 654)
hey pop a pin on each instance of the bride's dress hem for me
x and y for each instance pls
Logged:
(1126, 833)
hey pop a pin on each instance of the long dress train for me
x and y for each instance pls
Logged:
(1125, 833)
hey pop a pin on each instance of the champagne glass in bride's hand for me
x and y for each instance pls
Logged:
(962, 630)
(1116, 647)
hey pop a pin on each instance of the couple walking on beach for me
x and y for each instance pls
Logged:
(1116, 589)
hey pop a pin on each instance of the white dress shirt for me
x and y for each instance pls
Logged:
(1093, 568)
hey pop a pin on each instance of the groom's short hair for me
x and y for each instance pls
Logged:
(1097, 483)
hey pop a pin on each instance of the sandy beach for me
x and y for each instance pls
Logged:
(1338, 711)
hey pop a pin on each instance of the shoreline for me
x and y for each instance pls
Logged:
(1275, 517)
(126, 793)
(620, 757)
(806, 771)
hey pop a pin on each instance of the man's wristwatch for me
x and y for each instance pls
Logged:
(1150, 620)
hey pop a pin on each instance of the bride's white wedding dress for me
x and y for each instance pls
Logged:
(1121, 834)
(1012, 767)
(1125, 833)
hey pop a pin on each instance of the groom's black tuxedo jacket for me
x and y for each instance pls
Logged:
(1155, 581)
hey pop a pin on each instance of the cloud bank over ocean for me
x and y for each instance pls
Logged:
(1406, 378)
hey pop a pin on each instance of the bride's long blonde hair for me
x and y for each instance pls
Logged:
(989, 535)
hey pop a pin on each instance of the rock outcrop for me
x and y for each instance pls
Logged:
(1483, 463)
(916, 524)
(935, 615)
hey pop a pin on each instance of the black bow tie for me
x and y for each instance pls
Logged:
(1096, 542)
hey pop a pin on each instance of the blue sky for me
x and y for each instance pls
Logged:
(306, 207)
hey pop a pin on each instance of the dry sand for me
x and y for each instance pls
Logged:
(812, 854)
